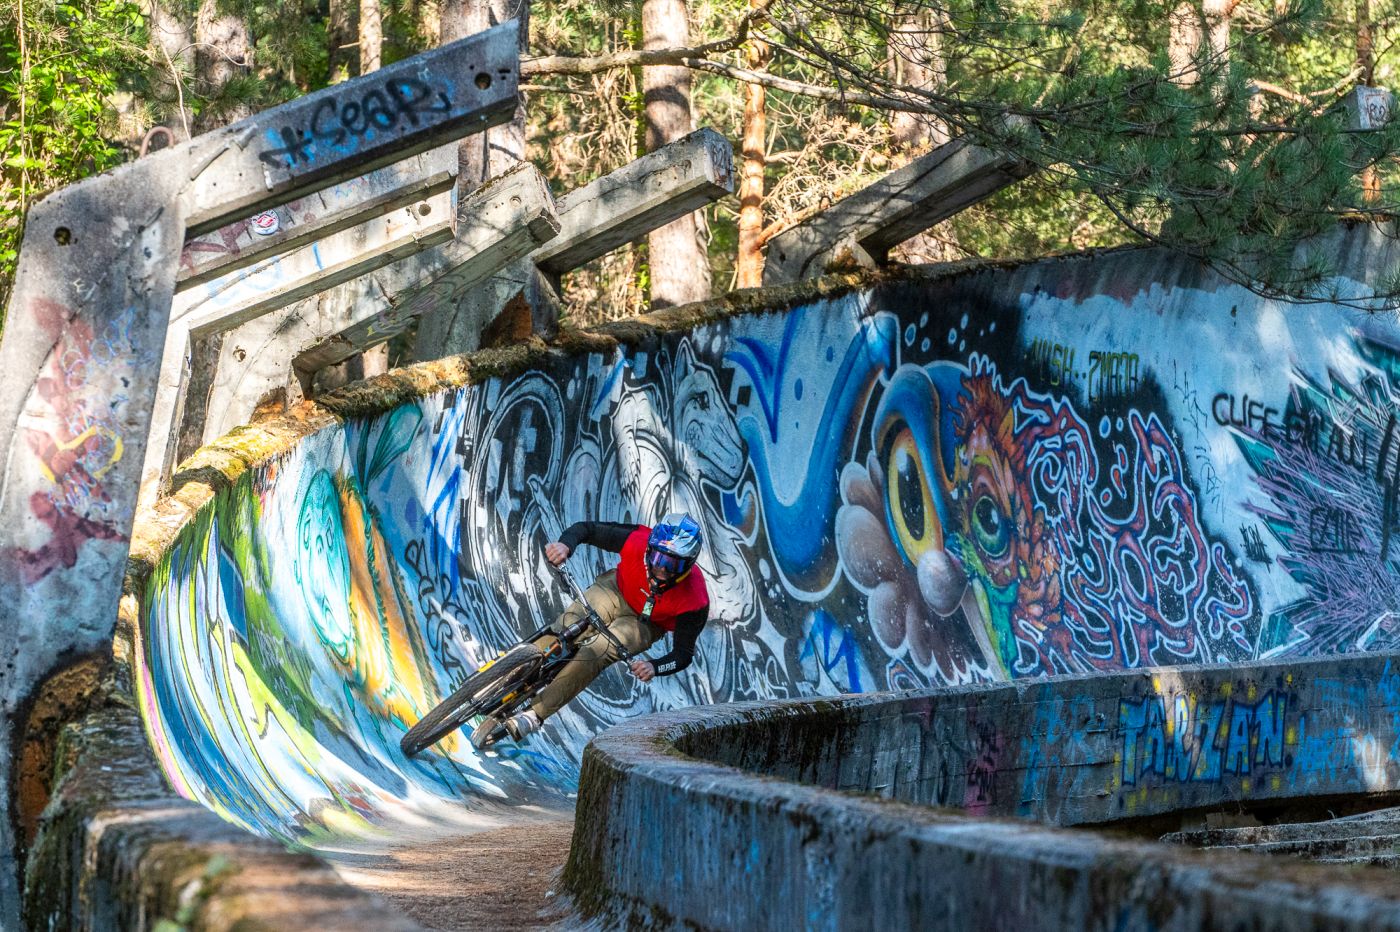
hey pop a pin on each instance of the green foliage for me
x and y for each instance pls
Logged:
(1235, 156)
(289, 45)
(82, 80)
(61, 64)
(1237, 162)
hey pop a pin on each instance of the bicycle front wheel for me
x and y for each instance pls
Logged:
(482, 691)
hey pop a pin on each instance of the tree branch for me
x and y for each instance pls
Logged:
(627, 58)
(1347, 80)
(1265, 87)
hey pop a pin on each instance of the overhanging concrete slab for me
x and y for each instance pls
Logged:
(276, 282)
(616, 209)
(496, 226)
(627, 204)
(880, 216)
(279, 274)
(352, 128)
(502, 221)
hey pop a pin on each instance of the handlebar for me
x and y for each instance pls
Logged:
(590, 617)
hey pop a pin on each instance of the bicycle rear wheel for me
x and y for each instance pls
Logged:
(483, 690)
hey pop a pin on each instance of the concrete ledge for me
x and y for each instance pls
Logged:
(117, 850)
(693, 819)
(866, 224)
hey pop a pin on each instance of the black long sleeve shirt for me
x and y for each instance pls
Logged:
(607, 535)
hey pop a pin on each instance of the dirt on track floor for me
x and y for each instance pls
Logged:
(500, 878)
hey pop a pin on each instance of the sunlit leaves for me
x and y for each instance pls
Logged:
(55, 99)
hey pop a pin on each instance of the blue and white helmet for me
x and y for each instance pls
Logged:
(674, 544)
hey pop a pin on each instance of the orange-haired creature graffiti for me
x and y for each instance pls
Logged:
(988, 544)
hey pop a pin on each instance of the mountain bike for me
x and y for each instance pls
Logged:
(501, 687)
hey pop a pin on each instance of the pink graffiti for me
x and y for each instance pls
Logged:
(70, 531)
(984, 763)
(75, 463)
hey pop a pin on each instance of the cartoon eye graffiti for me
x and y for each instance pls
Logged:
(991, 527)
(909, 498)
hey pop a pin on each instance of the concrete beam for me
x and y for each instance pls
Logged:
(502, 221)
(281, 278)
(349, 129)
(275, 282)
(317, 216)
(618, 208)
(1367, 107)
(85, 333)
(644, 194)
(279, 281)
(513, 213)
(866, 225)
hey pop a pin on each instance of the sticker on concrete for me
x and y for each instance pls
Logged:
(266, 223)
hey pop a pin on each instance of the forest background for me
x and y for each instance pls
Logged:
(1213, 126)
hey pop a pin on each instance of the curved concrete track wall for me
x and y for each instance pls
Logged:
(758, 836)
(1070, 466)
(1075, 465)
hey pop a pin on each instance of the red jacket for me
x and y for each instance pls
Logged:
(687, 595)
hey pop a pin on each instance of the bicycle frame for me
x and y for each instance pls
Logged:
(564, 649)
(497, 697)
(590, 618)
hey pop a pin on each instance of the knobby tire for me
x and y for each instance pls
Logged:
(482, 690)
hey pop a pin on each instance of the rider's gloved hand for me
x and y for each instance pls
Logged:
(556, 553)
(643, 670)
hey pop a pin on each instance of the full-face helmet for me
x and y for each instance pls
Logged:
(672, 548)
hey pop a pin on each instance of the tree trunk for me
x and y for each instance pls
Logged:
(224, 52)
(679, 268)
(1199, 45)
(173, 41)
(1218, 14)
(342, 38)
(1365, 44)
(748, 268)
(371, 35)
(486, 154)
(429, 19)
(480, 156)
(917, 61)
(1187, 32)
(1366, 64)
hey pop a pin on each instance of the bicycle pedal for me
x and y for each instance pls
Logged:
(487, 734)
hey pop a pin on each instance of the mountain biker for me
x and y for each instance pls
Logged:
(655, 589)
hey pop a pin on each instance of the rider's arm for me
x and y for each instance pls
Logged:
(682, 642)
(605, 535)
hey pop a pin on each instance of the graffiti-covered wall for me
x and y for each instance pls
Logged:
(1070, 466)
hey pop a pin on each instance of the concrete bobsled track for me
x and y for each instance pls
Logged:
(926, 479)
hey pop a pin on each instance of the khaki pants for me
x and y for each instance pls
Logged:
(596, 652)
